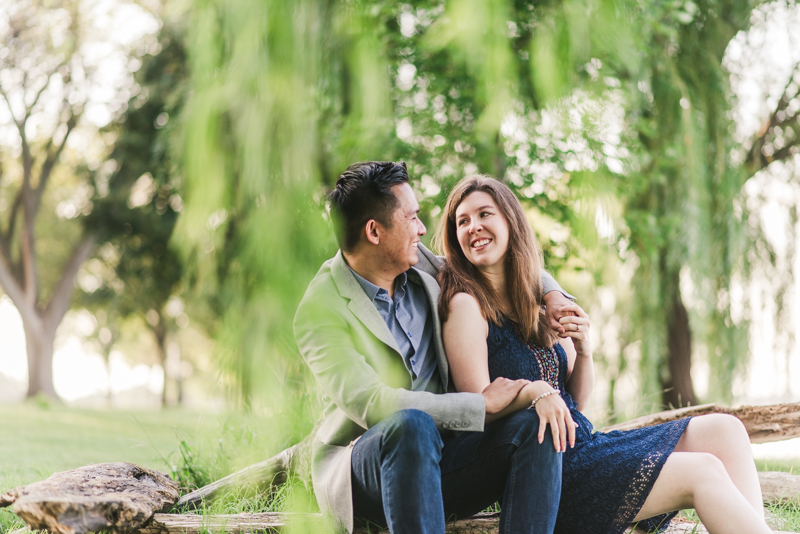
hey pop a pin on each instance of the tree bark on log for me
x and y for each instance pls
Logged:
(261, 476)
(112, 496)
(277, 522)
(777, 488)
(764, 424)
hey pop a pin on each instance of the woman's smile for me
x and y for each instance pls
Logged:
(482, 231)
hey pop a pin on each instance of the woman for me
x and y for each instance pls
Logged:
(494, 326)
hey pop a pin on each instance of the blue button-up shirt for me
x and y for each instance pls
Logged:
(408, 317)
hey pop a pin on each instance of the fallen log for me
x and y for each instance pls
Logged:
(112, 496)
(764, 424)
(259, 477)
(487, 523)
(779, 488)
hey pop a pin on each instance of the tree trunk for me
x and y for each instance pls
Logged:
(160, 333)
(678, 388)
(39, 347)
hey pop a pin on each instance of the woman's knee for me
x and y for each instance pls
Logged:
(717, 430)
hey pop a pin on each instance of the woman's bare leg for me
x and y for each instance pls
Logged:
(699, 480)
(725, 437)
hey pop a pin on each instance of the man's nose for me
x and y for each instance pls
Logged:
(421, 230)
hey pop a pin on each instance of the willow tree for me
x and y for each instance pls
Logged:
(683, 201)
(287, 94)
(284, 93)
(477, 83)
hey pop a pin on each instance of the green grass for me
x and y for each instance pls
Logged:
(192, 447)
(787, 466)
(38, 442)
(786, 518)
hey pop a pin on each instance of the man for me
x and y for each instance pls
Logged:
(397, 446)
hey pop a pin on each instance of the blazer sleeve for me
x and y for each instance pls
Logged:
(366, 394)
(549, 284)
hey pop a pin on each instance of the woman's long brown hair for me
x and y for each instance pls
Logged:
(523, 263)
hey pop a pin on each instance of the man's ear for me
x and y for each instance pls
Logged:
(373, 232)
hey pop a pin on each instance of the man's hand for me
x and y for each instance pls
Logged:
(501, 393)
(554, 301)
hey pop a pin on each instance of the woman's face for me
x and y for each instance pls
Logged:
(482, 231)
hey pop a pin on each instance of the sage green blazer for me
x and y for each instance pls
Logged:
(362, 376)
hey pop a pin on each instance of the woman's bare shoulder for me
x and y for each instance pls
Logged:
(465, 305)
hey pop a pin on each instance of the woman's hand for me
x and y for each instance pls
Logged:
(576, 325)
(553, 411)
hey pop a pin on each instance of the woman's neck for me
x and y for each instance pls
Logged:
(497, 279)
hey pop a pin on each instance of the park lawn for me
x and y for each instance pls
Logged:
(37, 441)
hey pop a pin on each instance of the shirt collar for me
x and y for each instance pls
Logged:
(372, 290)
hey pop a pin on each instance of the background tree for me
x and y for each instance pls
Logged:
(53, 87)
(137, 212)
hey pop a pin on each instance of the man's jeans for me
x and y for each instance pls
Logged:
(407, 477)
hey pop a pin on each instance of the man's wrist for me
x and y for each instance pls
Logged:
(534, 389)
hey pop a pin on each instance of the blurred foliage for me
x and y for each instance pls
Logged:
(252, 232)
(610, 119)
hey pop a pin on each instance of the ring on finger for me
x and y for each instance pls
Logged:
(577, 327)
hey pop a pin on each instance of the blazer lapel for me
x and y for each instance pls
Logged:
(359, 303)
(433, 291)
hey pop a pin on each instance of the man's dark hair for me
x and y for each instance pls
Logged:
(363, 192)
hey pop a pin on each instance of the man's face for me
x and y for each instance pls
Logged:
(399, 242)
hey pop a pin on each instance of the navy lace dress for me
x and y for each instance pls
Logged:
(606, 476)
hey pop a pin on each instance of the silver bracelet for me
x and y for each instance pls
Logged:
(543, 395)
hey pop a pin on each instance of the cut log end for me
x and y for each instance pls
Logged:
(119, 496)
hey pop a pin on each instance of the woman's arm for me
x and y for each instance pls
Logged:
(580, 378)
(464, 334)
